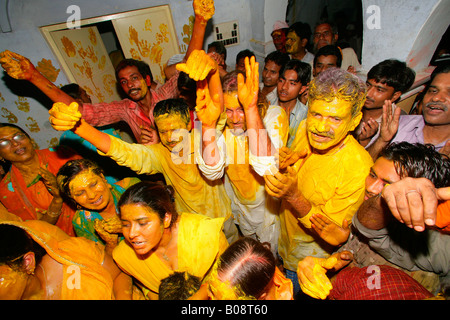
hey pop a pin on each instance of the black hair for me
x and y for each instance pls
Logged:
(280, 58)
(155, 196)
(249, 265)
(143, 67)
(179, 286)
(393, 73)
(329, 50)
(220, 48)
(303, 70)
(70, 170)
(302, 30)
(243, 54)
(14, 243)
(173, 106)
(72, 89)
(419, 161)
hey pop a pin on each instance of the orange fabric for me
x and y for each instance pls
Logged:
(25, 201)
(443, 216)
(84, 278)
(284, 288)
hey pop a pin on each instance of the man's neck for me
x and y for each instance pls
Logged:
(299, 55)
(288, 106)
(146, 102)
(436, 134)
(266, 90)
(372, 113)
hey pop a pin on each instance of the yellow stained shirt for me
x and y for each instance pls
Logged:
(334, 185)
(200, 242)
(193, 193)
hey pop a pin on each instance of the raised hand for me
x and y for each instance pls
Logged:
(204, 9)
(208, 108)
(49, 180)
(64, 117)
(248, 89)
(198, 66)
(389, 122)
(16, 66)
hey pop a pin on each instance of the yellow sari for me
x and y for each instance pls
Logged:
(200, 242)
(84, 278)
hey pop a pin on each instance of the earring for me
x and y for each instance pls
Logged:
(30, 272)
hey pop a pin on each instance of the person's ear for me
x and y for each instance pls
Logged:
(396, 95)
(356, 120)
(167, 220)
(148, 81)
(29, 262)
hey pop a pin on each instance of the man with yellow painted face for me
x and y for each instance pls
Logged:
(328, 178)
(297, 40)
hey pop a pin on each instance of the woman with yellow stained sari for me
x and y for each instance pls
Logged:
(159, 241)
(38, 261)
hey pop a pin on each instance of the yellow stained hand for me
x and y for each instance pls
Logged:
(17, 66)
(312, 276)
(208, 108)
(248, 89)
(198, 65)
(64, 117)
(109, 238)
(285, 157)
(204, 8)
(280, 184)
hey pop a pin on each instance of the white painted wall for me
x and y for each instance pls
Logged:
(26, 16)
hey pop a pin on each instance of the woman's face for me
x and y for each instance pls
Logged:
(90, 190)
(15, 146)
(142, 227)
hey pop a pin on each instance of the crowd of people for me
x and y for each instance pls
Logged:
(304, 182)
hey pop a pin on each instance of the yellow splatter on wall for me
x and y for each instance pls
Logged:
(48, 70)
(22, 104)
(149, 36)
(88, 61)
(8, 115)
(68, 47)
(32, 125)
(53, 142)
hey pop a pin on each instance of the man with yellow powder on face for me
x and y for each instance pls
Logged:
(174, 156)
(328, 178)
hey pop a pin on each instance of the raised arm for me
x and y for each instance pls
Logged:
(248, 90)
(209, 105)
(67, 117)
(19, 67)
(388, 129)
(204, 10)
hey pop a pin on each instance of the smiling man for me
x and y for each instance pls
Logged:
(433, 126)
(329, 180)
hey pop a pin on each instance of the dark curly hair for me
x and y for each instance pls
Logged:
(419, 161)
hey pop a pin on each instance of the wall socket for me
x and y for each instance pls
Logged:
(227, 33)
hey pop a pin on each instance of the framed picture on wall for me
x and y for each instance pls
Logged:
(145, 34)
